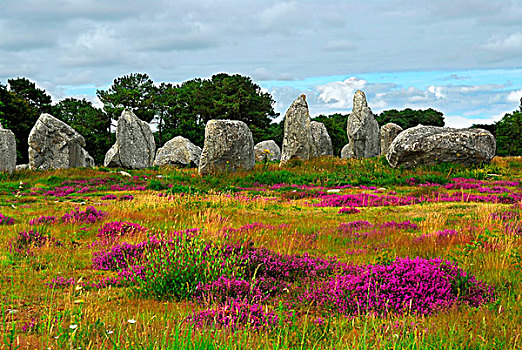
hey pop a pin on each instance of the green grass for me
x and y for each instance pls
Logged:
(35, 316)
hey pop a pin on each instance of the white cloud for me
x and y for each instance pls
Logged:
(281, 14)
(515, 96)
(511, 43)
(339, 94)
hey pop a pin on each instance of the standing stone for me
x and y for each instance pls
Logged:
(430, 145)
(228, 147)
(345, 152)
(7, 150)
(135, 147)
(267, 150)
(55, 145)
(362, 129)
(322, 143)
(297, 139)
(388, 133)
(179, 152)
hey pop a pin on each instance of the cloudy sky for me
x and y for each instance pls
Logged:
(462, 57)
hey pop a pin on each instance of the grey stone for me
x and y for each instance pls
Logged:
(346, 152)
(429, 145)
(7, 150)
(179, 152)
(388, 133)
(228, 147)
(55, 145)
(21, 167)
(362, 129)
(135, 147)
(268, 150)
(297, 139)
(322, 143)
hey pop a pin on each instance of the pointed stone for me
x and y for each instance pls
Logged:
(7, 150)
(56, 145)
(362, 129)
(135, 147)
(297, 139)
(322, 143)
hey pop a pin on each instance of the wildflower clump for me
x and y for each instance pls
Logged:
(418, 286)
(89, 216)
(43, 220)
(26, 240)
(6, 220)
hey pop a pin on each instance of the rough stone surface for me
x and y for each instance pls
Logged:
(362, 129)
(297, 139)
(55, 145)
(267, 150)
(345, 152)
(7, 150)
(388, 133)
(135, 147)
(21, 167)
(322, 143)
(179, 152)
(228, 147)
(429, 145)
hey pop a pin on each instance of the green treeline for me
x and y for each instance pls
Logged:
(184, 109)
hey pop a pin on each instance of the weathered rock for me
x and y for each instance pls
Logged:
(429, 145)
(229, 147)
(297, 139)
(362, 129)
(55, 145)
(135, 147)
(388, 133)
(179, 152)
(7, 150)
(268, 150)
(322, 143)
(345, 152)
(21, 167)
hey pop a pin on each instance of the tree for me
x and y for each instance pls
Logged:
(409, 118)
(508, 131)
(336, 126)
(89, 121)
(135, 91)
(17, 115)
(186, 108)
(492, 128)
(36, 97)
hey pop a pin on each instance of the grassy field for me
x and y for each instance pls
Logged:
(322, 254)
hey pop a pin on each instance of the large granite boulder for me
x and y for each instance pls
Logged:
(135, 147)
(267, 150)
(362, 129)
(7, 150)
(297, 139)
(179, 152)
(388, 133)
(429, 145)
(228, 147)
(55, 145)
(322, 143)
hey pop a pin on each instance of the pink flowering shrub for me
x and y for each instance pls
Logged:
(6, 220)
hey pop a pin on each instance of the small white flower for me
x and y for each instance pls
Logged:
(73, 326)
(110, 332)
(132, 321)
